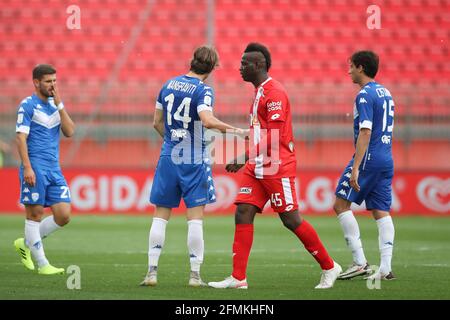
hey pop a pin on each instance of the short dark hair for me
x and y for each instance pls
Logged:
(368, 60)
(42, 69)
(258, 47)
(204, 60)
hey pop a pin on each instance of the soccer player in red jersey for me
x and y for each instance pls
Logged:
(269, 173)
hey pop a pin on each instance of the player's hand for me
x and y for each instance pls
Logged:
(55, 94)
(354, 180)
(29, 176)
(234, 166)
(244, 133)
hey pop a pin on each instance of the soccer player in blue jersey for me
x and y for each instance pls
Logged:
(40, 117)
(368, 176)
(184, 109)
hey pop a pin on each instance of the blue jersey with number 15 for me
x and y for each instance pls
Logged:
(182, 99)
(374, 109)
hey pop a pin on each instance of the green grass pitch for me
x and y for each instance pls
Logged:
(111, 252)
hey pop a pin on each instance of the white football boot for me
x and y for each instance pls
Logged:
(329, 277)
(151, 279)
(355, 270)
(195, 280)
(231, 283)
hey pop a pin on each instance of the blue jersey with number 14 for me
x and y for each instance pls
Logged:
(182, 99)
(374, 109)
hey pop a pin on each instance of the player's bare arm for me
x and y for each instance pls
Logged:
(361, 146)
(28, 173)
(209, 121)
(158, 122)
(67, 125)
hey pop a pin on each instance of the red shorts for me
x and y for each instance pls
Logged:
(280, 192)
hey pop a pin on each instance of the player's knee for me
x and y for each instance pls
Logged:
(243, 215)
(340, 207)
(291, 220)
(35, 213)
(62, 220)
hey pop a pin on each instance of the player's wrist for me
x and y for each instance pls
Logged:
(60, 106)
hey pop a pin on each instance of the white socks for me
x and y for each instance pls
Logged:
(352, 236)
(156, 239)
(386, 234)
(34, 242)
(195, 244)
(47, 226)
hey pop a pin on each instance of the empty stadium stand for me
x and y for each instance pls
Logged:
(112, 68)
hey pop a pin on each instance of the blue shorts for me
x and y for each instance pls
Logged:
(172, 181)
(376, 188)
(50, 188)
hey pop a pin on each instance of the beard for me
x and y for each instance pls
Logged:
(45, 93)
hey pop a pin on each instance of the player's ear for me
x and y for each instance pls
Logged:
(36, 83)
(360, 68)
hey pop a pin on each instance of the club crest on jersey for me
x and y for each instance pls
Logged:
(35, 196)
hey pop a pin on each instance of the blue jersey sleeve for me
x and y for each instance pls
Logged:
(159, 104)
(364, 105)
(24, 116)
(205, 99)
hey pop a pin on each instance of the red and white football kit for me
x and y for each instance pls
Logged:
(269, 174)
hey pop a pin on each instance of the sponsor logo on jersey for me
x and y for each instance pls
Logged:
(35, 196)
(348, 175)
(245, 190)
(342, 192)
(363, 91)
(21, 109)
(274, 105)
(289, 207)
(38, 106)
(200, 200)
(386, 139)
(26, 190)
(208, 93)
(26, 198)
(344, 183)
(178, 133)
(362, 100)
(275, 116)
